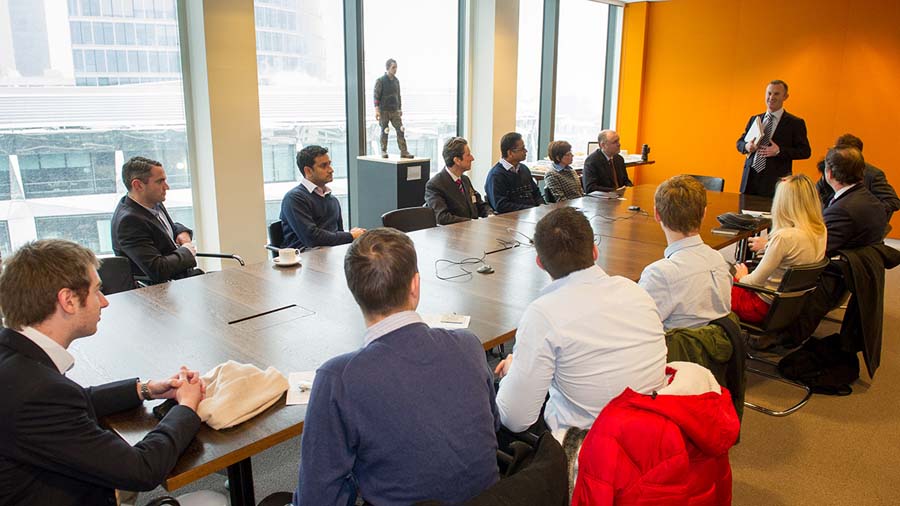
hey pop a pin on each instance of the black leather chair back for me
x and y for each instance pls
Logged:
(115, 275)
(276, 237)
(410, 219)
(714, 184)
(548, 196)
(796, 286)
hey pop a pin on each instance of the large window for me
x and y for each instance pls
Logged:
(300, 65)
(422, 38)
(528, 82)
(62, 139)
(581, 71)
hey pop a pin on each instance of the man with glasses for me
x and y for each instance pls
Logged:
(604, 169)
(509, 186)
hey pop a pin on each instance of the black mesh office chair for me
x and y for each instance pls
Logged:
(548, 196)
(276, 237)
(713, 184)
(788, 300)
(410, 219)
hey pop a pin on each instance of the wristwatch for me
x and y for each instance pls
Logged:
(145, 392)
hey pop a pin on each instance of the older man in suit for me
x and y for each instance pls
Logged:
(142, 230)
(604, 169)
(52, 447)
(450, 192)
(771, 154)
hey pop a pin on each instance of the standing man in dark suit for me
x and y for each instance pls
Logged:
(782, 140)
(604, 169)
(873, 179)
(52, 447)
(509, 185)
(143, 231)
(450, 192)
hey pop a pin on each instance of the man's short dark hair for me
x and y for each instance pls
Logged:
(455, 147)
(508, 143)
(847, 165)
(564, 242)
(388, 63)
(137, 167)
(680, 202)
(779, 81)
(33, 276)
(379, 267)
(558, 149)
(850, 141)
(307, 157)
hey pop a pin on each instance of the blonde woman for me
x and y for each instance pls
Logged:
(798, 237)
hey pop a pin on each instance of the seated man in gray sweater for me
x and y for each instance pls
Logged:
(411, 415)
(310, 215)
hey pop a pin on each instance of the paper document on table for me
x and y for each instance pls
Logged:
(755, 131)
(447, 321)
(300, 387)
(756, 214)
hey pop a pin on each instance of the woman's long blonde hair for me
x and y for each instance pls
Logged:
(797, 204)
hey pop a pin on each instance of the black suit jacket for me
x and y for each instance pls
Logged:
(138, 235)
(449, 204)
(790, 136)
(854, 220)
(874, 180)
(52, 448)
(598, 177)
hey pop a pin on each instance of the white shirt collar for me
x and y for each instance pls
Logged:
(508, 166)
(453, 176)
(777, 114)
(581, 276)
(842, 191)
(309, 185)
(62, 359)
(687, 242)
(390, 324)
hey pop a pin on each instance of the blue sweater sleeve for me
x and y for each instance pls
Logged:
(327, 452)
(297, 211)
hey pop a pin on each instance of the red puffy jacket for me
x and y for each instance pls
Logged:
(670, 448)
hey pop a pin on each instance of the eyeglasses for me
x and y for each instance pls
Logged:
(519, 149)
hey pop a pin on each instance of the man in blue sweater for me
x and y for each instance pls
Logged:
(410, 416)
(310, 215)
(509, 186)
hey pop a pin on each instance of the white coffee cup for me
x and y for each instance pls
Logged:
(288, 255)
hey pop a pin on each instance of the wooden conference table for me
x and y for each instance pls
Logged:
(297, 318)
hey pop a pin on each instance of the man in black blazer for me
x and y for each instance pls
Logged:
(450, 192)
(776, 154)
(143, 231)
(873, 179)
(52, 447)
(604, 169)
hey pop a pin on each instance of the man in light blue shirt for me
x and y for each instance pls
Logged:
(692, 284)
(587, 338)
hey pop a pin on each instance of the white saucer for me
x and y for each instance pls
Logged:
(279, 263)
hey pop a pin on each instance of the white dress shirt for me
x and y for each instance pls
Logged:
(62, 359)
(585, 339)
(691, 285)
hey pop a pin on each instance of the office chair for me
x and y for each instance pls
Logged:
(115, 275)
(276, 237)
(410, 219)
(713, 184)
(548, 196)
(788, 301)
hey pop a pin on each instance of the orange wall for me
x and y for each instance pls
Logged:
(704, 65)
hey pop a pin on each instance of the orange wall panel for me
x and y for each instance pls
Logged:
(705, 65)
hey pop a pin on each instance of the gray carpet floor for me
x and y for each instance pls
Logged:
(834, 451)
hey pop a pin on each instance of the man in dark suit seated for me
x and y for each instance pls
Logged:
(782, 139)
(52, 447)
(853, 218)
(604, 169)
(509, 185)
(873, 179)
(142, 230)
(450, 192)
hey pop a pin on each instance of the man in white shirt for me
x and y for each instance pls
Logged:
(692, 284)
(587, 338)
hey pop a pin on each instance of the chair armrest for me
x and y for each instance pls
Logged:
(223, 255)
(757, 289)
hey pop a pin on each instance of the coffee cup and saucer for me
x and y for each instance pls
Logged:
(287, 257)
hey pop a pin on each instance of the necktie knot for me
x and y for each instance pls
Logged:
(459, 184)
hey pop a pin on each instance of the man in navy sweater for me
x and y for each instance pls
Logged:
(509, 186)
(310, 215)
(410, 416)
